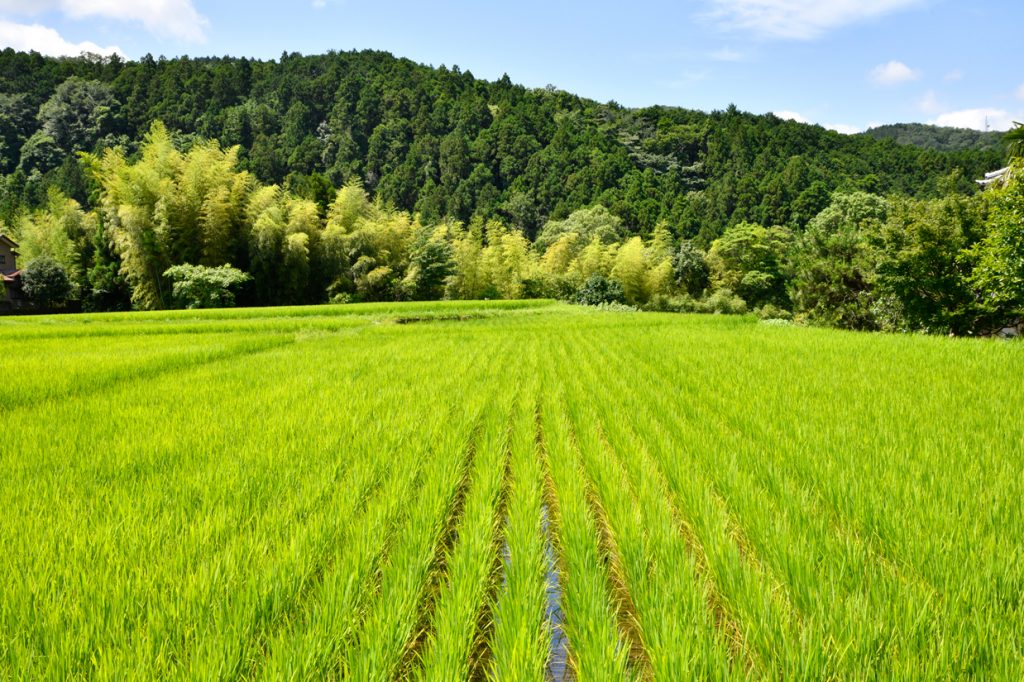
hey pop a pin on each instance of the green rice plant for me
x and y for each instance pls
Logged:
(521, 636)
(452, 642)
(668, 596)
(391, 621)
(340, 491)
(596, 646)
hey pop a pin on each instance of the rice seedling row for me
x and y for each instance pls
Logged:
(510, 492)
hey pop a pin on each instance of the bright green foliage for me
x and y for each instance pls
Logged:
(430, 265)
(500, 480)
(630, 270)
(596, 258)
(468, 279)
(921, 265)
(999, 273)
(749, 260)
(834, 261)
(690, 267)
(61, 233)
(506, 262)
(378, 250)
(170, 208)
(588, 224)
(198, 286)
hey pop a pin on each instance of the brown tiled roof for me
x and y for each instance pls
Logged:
(12, 276)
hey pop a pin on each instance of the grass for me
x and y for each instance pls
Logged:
(368, 492)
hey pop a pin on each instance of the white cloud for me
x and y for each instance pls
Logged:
(800, 19)
(172, 18)
(1020, 92)
(930, 103)
(44, 40)
(727, 54)
(978, 119)
(843, 128)
(893, 73)
(954, 75)
(790, 116)
(796, 116)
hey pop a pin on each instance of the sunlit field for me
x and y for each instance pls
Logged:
(510, 491)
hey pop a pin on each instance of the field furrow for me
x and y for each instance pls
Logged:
(450, 645)
(520, 641)
(597, 648)
(489, 492)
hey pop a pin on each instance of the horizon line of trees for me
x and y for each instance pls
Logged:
(177, 227)
(440, 143)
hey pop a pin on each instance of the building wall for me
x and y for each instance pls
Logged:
(7, 258)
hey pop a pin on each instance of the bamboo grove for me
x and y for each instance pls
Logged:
(187, 228)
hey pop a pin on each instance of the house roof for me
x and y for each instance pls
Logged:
(11, 276)
(10, 242)
(1003, 174)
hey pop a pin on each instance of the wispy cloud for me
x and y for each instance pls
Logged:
(1020, 91)
(688, 79)
(893, 73)
(799, 19)
(954, 75)
(171, 18)
(47, 41)
(727, 54)
(929, 103)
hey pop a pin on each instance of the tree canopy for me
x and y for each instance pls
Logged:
(362, 177)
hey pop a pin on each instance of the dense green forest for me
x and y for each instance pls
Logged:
(939, 138)
(360, 176)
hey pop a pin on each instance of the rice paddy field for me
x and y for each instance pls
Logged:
(517, 491)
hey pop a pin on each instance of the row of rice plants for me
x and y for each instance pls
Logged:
(597, 648)
(766, 634)
(893, 620)
(134, 499)
(521, 638)
(390, 628)
(454, 636)
(57, 369)
(668, 594)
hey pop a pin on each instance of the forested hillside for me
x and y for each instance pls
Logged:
(938, 138)
(361, 176)
(443, 143)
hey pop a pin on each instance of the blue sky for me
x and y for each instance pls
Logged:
(846, 64)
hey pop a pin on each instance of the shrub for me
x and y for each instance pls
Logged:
(46, 283)
(597, 290)
(198, 286)
(724, 302)
(772, 312)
